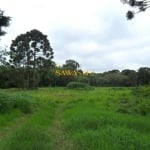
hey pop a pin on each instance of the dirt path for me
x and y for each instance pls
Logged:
(59, 136)
(57, 133)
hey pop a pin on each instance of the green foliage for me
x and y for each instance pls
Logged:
(6, 103)
(29, 54)
(71, 65)
(93, 125)
(48, 74)
(128, 106)
(28, 132)
(9, 102)
(143, 91)
(28, 138)
(84, 120)
(77, 85)
(144, 76)
(140, 104)
(144, 107)
(23, 102)
(31, 49)
(119, 138)
(82, 79)
(7, 118)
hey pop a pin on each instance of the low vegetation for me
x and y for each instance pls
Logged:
(103, 118)
(78, 85)
(9, 102)
(139, 104)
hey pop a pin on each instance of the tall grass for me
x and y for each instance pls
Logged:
(10, 102)
(91, 119)
(93, 122)
(33, 134)
(27, 138)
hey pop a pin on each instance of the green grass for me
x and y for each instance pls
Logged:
(96, 119)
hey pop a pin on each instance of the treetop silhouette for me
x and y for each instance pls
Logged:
(4, 22)
(141, 6)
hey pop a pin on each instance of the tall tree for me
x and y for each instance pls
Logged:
(4, 22)
(71, 64)
(144, 75)
(31, 51)
(132, 77)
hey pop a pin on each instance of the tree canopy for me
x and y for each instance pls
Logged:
(71, 64)
(31, 49)
(29, 53)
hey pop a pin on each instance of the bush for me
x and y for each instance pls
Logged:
(140, 106)
(6, 103)
(142, 91)
(9, 102)
(144, 107)
(77, 85)
(24, 104)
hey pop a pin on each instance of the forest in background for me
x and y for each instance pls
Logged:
(28, 64)
(47, 75)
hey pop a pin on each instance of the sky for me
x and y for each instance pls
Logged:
(94, 33)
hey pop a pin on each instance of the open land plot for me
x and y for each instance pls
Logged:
(60, 119)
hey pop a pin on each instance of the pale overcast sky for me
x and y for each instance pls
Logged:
(95, 33)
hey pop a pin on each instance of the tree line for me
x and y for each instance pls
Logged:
(27, 77)
(29, 64)
(125, 77)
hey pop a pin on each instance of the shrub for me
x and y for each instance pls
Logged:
(6, 103)
(144, 107)
(140, 106)
(142, 91)
(10, 102)
(24, 104)
(77, 85)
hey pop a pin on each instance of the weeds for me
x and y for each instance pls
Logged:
(140, 104)
(88, 119)
(10, 102)
(78, 85)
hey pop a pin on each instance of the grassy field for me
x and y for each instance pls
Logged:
(61, 119)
